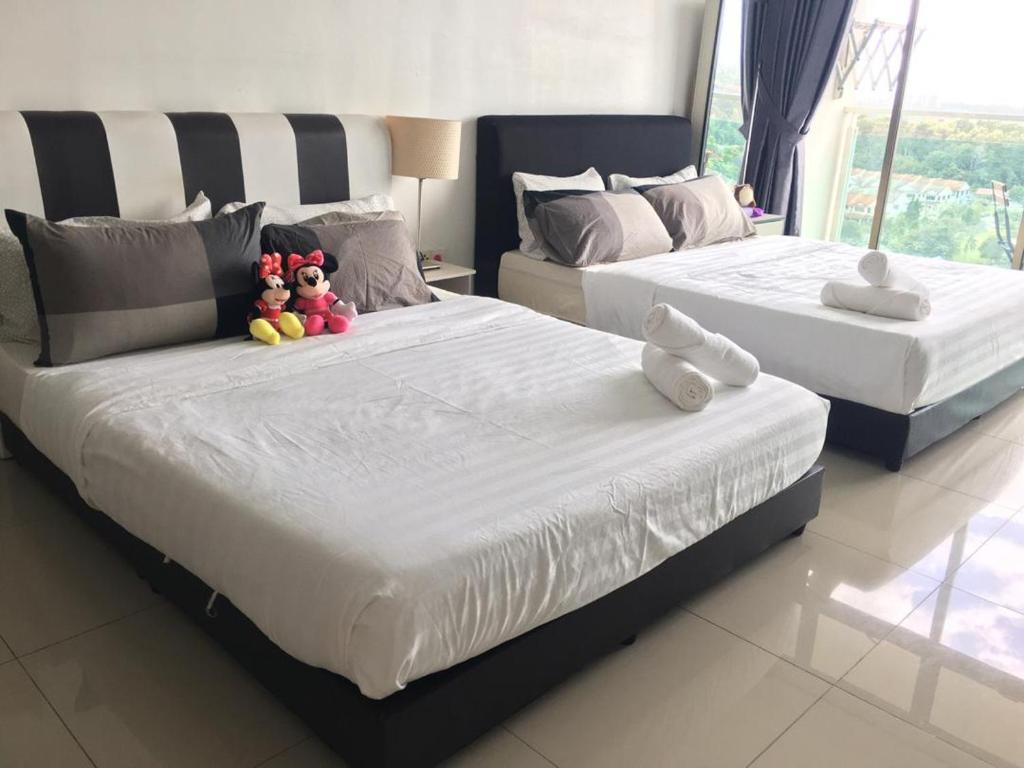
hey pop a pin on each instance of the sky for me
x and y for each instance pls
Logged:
(964, 61)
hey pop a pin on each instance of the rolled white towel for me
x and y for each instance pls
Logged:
(872, 300)
(676, 379)
(879, 270)
(712, 353)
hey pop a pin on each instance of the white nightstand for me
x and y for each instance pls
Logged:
(451, 277)
(770, 224)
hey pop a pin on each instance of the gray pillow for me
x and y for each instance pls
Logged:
(104, 290)
(699, 212)
(377, 264)
(18, 321)
(583, 228)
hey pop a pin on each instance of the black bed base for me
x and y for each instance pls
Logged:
(437, 715)
(895, 437)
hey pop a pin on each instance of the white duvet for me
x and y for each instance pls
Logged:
(390, 502)
(764, 294)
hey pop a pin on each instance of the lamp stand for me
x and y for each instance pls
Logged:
(420, 256)
(419, 219)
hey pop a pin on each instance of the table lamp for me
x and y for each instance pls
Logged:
(424, 148)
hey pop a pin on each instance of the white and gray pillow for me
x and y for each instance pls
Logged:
(588, 181)
(585, 228)
(620, 182)
(297, 213)
(200, 209)
(699, 212)
(18, 319)
(101, 290)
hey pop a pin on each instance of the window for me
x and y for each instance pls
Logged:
(955, 183)
(723, 142)
(927, 158)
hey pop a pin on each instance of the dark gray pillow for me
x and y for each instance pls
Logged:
(101, 290)
(699, 212)
(377, 263)
(18, 321)
(584, 228)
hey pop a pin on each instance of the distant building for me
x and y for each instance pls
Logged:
(904, 188)
(860, 205)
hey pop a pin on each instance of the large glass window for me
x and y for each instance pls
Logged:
(845, 148)
(955, 184)
(723, 142)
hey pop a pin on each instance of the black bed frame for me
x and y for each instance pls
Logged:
(443, 712)
(895, 437)
(656, 145)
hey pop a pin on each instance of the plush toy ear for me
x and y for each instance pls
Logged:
(330, 264)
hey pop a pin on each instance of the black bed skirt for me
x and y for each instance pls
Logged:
(895, 437)
(437, 715)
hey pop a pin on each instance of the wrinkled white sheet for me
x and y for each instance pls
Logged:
(763, 293)
(392, 501)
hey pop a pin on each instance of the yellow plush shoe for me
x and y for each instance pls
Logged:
(291, 325)
(264, 331)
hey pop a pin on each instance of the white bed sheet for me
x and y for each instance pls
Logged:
(764, 294)
(392, 501)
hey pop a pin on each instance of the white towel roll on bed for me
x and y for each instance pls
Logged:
(872, 300)
(712, 353)
(676, 379)
(879, 270)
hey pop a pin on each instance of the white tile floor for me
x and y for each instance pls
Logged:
(890, 634)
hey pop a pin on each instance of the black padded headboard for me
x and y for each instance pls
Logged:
(560, 145)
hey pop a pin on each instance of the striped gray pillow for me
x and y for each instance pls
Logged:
(583, 228)
(17, 306)
(102, 290)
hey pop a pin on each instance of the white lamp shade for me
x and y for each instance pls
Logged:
(425, 148)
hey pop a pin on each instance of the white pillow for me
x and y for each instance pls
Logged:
(18, 320)
(200, 209)
(589, 181)
(622, 183)
(293, 214)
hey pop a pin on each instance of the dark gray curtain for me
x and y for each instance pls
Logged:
(789, 50)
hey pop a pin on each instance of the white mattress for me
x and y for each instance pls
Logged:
(764, 294)
(544, 286)
(389, 502)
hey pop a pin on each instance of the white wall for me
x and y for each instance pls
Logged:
(438, 58)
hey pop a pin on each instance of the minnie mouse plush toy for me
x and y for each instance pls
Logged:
(315, 300)
(271, 299)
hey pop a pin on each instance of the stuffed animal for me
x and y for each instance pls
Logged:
(271, 298)
(322, 309)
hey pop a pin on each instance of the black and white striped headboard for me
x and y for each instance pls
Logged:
(145, 165)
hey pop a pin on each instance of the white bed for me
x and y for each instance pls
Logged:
(314, 484)
(764, 294)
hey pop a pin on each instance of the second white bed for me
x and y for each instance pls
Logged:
(390, 502)
(764, 294)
